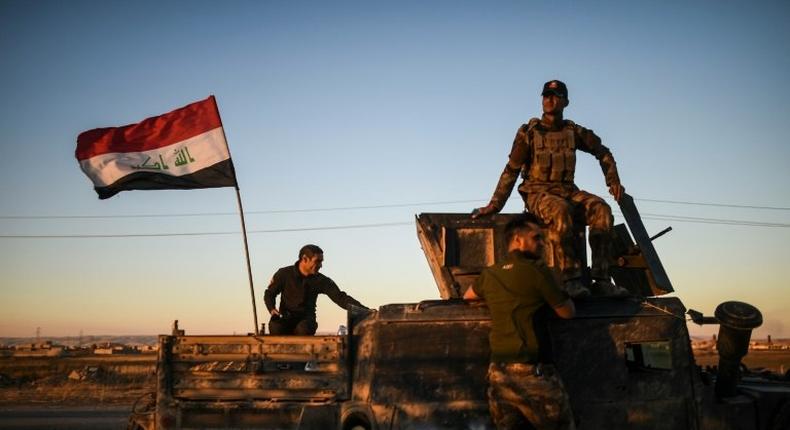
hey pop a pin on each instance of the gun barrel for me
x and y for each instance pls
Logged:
(661, 233)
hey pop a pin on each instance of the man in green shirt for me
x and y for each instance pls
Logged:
(524, 387)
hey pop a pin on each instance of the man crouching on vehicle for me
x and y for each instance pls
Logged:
(524, 388)
(299, 286)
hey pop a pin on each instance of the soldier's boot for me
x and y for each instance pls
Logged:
(601, 250)
(605, 288)
(576, 289)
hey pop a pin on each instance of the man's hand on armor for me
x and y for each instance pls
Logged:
(617, 191)
(485, 210)
(358, 309)
(275, 313)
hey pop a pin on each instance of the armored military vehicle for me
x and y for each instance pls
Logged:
(626, 363)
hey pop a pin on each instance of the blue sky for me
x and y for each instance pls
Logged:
(348, 104)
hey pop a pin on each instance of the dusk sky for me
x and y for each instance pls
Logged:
(363, 114)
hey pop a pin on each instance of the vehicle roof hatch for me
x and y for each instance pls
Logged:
(458, 247)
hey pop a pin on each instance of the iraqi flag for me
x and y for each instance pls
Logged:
(182, 149)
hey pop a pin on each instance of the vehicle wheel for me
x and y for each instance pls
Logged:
(781, 419)
(134, 425)
(357, 422)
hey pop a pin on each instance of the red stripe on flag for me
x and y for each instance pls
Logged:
(151, 133)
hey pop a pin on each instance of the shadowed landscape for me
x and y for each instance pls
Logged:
(76, 381)
(120, 380)
(96, 391)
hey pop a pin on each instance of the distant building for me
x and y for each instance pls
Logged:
(43, 349)
(77, 351)
(704, 345)
(115, 349)
(146, 349)
(769, 344)
(758, 346)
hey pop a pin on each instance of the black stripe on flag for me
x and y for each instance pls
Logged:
(217, 175)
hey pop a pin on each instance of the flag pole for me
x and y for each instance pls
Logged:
(243, 226)
(247, 253)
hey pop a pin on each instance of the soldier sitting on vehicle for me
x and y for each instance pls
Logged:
(299, 286)
(544, 151)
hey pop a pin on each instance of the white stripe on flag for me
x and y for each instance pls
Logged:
(178, 159)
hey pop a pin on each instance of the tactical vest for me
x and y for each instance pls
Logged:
(553, 156)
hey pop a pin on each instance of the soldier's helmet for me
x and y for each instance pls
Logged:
(555, 87)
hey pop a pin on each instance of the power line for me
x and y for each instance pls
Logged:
(720, 205)
(658, 217)
(271, 211)
(346, 208)
(208, 233)
(700, 220)
(646, 216)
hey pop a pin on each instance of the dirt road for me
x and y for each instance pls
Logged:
(67, 418)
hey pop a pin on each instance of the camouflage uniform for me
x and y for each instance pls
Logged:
(516, 292)
(546, 158)
(519, 390)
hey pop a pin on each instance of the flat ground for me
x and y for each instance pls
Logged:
(64, 418)
(95, 381)
(120, 380)
(775, 361)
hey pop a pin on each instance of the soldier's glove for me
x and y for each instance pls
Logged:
(485, 210)
(359, 309)
(617, 190)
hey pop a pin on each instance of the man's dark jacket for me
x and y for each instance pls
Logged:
(299, 292)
